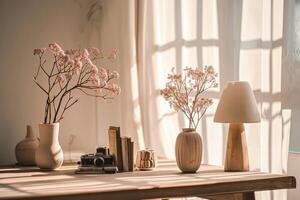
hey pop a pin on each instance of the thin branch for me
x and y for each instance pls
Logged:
(94, 95)
(199, 118)
(40, 86)
(54, 107)
(67, 106)
(45, 71)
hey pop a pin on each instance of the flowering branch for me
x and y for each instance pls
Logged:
(73, 70)
(186, 93)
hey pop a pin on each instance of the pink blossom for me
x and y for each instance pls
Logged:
(102, 73)
(113, 54)
(94, 51)
(94, 69)
(185, 92)
(115, 74)
(71, 62)
(66, 58)
(85, 54)
(61, 53)
(103, 83)
(196, 74)
(97, 82)
(39, 52)
(175, 77)
(55, 48)
(114, 88)
(69, 75)
(94, 78)
(60, 78)
(61, 64)
(203, 102)
(78, 63)
(75, 70)
(89, 61)
(210, 70)
(68, 52)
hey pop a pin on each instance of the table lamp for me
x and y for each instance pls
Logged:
(237, 106)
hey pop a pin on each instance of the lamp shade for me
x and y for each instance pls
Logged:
(237, 104)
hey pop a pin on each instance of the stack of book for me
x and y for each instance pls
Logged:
(122, 149)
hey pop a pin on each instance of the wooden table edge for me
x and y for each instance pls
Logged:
(213, 189)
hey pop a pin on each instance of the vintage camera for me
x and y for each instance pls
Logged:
(100, 162)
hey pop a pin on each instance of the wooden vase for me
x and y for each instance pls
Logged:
(188, 150)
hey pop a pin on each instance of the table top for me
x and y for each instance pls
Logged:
(165, 181)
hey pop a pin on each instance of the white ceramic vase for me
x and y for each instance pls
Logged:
(49, 154)
(188, 150)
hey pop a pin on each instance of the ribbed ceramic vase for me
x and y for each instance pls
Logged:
(188, 150)
(49, 154)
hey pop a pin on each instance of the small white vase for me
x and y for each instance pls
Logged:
(49, 154)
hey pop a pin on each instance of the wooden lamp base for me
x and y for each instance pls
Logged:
(236, 159)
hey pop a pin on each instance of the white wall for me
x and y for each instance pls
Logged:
(291, 88)
(30, 24)
(293, 170)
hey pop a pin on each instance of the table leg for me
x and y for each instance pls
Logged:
(239, 196)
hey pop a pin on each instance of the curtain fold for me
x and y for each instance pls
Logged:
(131, 121)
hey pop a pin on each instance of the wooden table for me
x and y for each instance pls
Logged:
(165, 182)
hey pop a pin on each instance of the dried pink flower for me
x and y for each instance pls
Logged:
(66, 58)
(85, 54)
(95, 51)
(61, 54)
(184, 92)
(102, 73)
(78, 63)
(113, 54)
(73, 69)
(39, 52)
(55, 48)
(69, 75)
(60, 78)
(94, 69)
(114, 88)
(115, 74)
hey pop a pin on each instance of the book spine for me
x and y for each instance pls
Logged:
(125, 154)
(119, 151)
(130, 156)
(115, 147)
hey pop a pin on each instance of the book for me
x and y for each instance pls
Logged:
(125, 153)
(115, 146)
(130, 156)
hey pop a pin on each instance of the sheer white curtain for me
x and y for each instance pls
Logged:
(242, 39)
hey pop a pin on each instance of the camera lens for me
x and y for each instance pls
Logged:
(99, 162)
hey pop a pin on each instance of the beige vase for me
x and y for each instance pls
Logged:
(25, 149)
(188, 150)
(49, 154)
